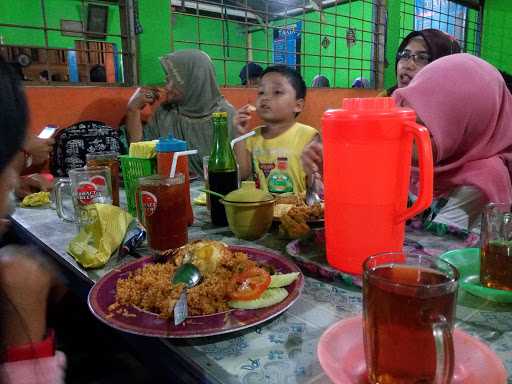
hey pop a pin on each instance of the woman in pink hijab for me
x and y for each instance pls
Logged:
(465, 104)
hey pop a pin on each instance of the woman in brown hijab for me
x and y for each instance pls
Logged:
(418, 49)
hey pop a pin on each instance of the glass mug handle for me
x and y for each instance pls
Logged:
(59, 185)
(445, 355)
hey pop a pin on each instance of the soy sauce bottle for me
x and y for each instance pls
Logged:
(222, 168)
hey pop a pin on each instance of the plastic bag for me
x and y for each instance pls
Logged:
(96, 242)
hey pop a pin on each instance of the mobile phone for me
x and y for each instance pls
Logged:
(47, 132)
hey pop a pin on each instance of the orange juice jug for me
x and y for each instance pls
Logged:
(367, 166)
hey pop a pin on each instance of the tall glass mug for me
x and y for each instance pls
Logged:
(409, 309)
(162, 202)
(85, 186)
(496, 247)
(111, 160)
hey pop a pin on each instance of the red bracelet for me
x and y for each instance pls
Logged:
(44, 348)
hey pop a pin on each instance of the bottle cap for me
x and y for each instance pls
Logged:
(171, 144)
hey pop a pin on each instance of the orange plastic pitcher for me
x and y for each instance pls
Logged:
(367, 164)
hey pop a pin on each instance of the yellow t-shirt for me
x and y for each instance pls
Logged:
(276, 162)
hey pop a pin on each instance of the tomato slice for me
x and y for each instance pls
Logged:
(249, 284)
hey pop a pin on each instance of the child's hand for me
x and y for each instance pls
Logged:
(312, 157)
(242, 118)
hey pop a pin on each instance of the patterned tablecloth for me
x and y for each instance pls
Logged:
(283, 350)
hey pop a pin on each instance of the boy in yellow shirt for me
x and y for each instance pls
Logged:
(273, 155)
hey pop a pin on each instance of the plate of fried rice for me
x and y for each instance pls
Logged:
(138, 297)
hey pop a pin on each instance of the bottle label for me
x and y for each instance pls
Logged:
(279, 181)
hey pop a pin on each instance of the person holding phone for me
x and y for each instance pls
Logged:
(30, 161)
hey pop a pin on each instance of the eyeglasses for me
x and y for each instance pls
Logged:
(420, 58)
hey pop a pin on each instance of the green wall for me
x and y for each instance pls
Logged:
(163, 30)
(208, 34)
(29, 13)
(318, 60)
(497, 34)
(154, 41)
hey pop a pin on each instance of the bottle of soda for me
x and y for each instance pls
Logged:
(222, 168)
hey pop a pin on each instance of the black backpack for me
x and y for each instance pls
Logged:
(75, 142)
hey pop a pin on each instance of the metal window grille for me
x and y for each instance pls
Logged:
(462, 20)
(34, 48)
(340, 39)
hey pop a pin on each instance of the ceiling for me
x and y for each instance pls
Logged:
(253, 9)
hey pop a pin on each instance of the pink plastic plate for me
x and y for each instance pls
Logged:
(341, 354)
(140, 322)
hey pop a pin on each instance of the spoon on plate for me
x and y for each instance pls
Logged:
(188, 274)
(312, 193)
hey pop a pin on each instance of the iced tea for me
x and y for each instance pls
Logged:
(107, 159)
(401, 304)
(165, 211)
(496, 247)
(496, 265)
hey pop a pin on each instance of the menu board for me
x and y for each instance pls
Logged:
(286, 44)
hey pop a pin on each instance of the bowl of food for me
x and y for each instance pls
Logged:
(249, 211)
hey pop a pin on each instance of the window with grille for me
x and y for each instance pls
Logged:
(450, 16)
(333, 38)
(72, 42)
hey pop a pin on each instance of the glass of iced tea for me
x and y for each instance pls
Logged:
(163, 204)
(496, 247)
(409, 310)
(111, 160)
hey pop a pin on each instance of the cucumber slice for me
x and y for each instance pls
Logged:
(283, 280)
(269, 297)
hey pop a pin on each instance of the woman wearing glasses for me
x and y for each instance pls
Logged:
(417, 50)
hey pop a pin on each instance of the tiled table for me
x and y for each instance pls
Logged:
(282, 350)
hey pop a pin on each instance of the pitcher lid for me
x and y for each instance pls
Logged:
(248, 193)
(370, 107)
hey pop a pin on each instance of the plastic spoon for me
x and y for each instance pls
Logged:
(211, 192)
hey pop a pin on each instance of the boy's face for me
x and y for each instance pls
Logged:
(276, 101)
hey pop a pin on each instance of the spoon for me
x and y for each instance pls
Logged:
(188, 274)
(312, 196)
(212, 193)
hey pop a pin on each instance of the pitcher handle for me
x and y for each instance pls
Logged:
(59, 184)
(445, 355)
(422, 139)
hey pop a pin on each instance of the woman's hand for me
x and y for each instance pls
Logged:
(39, 148)
(312, 157)
(242, 119)
(31, 184)
(142, 97)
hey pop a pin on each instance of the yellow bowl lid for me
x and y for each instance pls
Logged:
(248, 193)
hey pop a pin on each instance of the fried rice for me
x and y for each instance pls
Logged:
(149, 288)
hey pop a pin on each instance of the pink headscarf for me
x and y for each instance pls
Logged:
(466, 106)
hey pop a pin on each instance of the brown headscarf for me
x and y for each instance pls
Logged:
(438, 43)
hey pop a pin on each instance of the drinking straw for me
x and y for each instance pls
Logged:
(175, 159)
(243, 137)
(134, 94)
